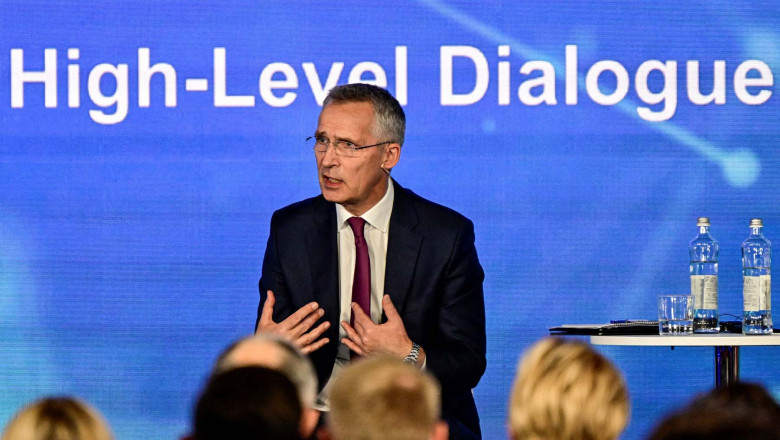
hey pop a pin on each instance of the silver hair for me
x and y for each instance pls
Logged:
(293, 364)
(388, 114)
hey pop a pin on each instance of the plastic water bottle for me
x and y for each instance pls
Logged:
(756, 282)
(703, 250)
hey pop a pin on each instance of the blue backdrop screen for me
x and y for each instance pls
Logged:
(144, 146)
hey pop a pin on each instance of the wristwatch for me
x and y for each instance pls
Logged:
(411, 358)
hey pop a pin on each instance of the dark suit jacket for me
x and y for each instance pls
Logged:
(432, 275)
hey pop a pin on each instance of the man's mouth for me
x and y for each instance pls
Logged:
(330, 179)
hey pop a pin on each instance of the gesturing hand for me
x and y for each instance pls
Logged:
(367, 338)
(297, 327)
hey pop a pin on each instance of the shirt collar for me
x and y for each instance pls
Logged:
(378, 216)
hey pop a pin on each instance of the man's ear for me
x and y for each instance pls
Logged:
(391, 156)
(309, 419)
(441, 431)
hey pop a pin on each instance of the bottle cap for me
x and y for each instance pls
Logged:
(756, 223)
(703, 221)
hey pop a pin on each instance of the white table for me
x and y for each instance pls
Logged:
(726, 348)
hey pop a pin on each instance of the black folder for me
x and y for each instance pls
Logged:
(629, 327)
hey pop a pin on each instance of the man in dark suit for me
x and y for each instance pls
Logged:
(399, 273)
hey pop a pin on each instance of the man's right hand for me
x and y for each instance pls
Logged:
(297, 327)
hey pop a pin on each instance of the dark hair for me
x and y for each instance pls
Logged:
(388, 114)
(248, 403)
(738, 411)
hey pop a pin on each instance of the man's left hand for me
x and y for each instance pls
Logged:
(367, 338)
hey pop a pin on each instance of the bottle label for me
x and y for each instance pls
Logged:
(754, 291)
(766, 298)
(704, 289)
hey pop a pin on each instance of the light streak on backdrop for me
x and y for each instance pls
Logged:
(740, 167)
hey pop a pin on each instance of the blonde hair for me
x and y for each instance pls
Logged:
(383, 398)
(565, 390)
(58, 418)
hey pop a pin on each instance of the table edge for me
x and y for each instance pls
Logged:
(719, 340)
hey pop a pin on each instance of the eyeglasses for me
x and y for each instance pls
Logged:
(343, 148)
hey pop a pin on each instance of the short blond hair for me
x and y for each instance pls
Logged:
(565, 390)
(60, 418)
(384, 399)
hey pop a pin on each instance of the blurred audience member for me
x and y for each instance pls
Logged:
(739, 411)
(58, 418)
(248, 403)
(565, 390)
(382, 398)
(273, 352)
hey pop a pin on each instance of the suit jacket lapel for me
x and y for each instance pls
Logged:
(323, 254)
(403, 247)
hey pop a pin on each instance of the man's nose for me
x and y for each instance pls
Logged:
(329, 157)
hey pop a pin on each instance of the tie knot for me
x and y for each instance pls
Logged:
(356, 223)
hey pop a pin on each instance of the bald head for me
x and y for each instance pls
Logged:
(258, 351)
(269, 351)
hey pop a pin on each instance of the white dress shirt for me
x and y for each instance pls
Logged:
(375, 232)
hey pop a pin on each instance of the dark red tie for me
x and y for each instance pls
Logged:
(361, 284)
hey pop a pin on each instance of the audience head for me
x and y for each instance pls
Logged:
(58, 418)
(382, 398)
(248, 403)
(565, 390)
(270, 351)
(734, 412)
